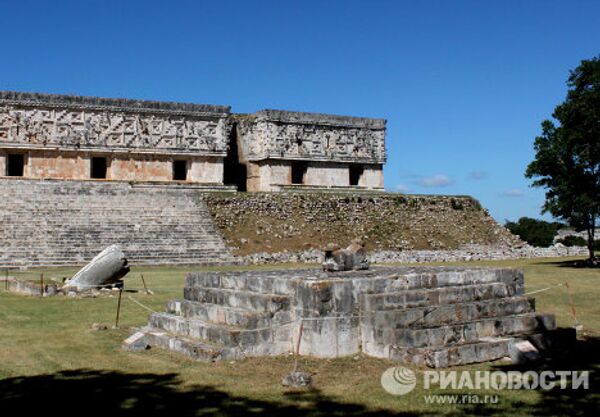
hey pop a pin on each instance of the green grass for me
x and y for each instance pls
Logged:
(51, 359)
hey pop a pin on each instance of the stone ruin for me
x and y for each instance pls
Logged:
(104, 272)
(354, 257)
(432, 316)
(49, 136)
(106, 269)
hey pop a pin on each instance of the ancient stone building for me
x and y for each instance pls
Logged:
(45, 136)
(282, 149)
(68, 137)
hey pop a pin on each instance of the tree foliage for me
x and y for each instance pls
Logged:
(567, 160)
(535, 232)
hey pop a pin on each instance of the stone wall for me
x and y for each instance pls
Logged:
(297, 221)
(272, 141)
(276, 134)
(372, 177)
(88, 123)
(274, 175)
(327, 174)
(58, 136)
(55, 164)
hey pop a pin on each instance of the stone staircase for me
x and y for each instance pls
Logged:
(225, 316)
(62, 223)
(430, 316)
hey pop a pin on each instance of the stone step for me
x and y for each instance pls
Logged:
(240, 299)
(132, 250)
(254, 281)
(445, 314)
(410, 278)
(231, 316)
(460, 333)
(437, 296)
(192, 348)
(215, 333)
(63, 223)
(484, 350)
(150, 262)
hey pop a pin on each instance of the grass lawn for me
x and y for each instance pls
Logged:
(51, 359)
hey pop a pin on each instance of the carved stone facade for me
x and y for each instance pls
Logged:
(54, 136)
(282, 148)
(72, 137)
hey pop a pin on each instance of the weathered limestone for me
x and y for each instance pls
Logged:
(434, 316)
(2, 162)
(354, 257)
(65, 223)
(282, 148)
(108, 267)
(140, 140)
(73, 137)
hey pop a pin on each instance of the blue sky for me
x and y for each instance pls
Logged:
(464, 84)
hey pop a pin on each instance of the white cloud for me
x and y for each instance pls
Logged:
(478, 175)
(402, 188)
(513, 192)
(438, 180)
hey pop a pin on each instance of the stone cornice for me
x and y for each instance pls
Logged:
(319, 119)
(111, 104)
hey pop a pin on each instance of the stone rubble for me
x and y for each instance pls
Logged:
(464, 254)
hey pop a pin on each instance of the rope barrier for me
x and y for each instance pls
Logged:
(141, 305)
(546, 289)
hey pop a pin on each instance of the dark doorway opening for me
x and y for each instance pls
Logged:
(15, 164)
(356, 172)
(234, 171)
(298, 172)
(98, 167)
(180, 170)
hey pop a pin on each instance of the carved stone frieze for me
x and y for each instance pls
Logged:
(102, 124)
(273, 134)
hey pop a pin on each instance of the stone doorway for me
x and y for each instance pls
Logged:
(234, 171)
(15, 165)
(298, 172)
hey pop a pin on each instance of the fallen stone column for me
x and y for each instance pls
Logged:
(108, 267)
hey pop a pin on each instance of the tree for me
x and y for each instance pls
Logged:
(567, 160)
(535, 232)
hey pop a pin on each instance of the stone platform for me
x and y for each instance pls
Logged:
(433, 316)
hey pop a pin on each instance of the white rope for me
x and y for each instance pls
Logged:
(141, 305)
(546, 289)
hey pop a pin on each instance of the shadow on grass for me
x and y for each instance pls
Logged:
(111, 394)
(571, 263)
(555, 402)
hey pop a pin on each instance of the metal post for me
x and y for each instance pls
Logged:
(298, 345)
(573, 312)
(118, 309)
(144, 282)
(42, 284)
